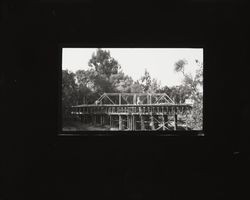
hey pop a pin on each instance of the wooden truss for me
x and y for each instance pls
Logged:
(130, 110)
(132, 98)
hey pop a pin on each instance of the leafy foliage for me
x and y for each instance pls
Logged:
(103, 63)
(69, 92)
(179, 65)
(146, 81)
(193, 86)
(121, 82)
(136, 87)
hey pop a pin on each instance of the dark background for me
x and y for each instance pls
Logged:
(37, 164)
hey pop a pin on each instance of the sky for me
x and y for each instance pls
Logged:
(159, 62)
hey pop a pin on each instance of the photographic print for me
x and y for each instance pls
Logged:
(132, 89)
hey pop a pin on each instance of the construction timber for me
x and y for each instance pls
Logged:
(134, 111)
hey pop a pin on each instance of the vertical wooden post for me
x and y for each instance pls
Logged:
(120, 99)
(135, 122)
(129, 123)
(175, 121)
(152, 122)
(134, 99)
(165, 118)
(132, 122)
(163, 122)
(110, 120)
(142, 123)
(120, 122)
(186, 122)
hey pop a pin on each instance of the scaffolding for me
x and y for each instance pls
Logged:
(134, 111)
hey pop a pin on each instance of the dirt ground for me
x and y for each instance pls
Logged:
(79, 126)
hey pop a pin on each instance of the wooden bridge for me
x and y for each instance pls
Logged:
(134, 111)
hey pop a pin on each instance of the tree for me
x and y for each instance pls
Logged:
(165, 89)
(154, 87)
(103, 66)
(103, 63)
(145, 81)
(136, 87)
(121, 82)
(84, 77)
(192, 86)
(82, 94)
(179, 93)
(179, 66)
(190, 82)
(69, 92)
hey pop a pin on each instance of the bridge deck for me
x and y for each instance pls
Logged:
(132, 105)
(145, 109)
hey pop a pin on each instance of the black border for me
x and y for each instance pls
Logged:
(36, 161)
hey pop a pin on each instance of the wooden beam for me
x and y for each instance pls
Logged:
(110, 120)
(186, 122)
(130, 105)
(142, 123)
(120, 99)
(152, 125)
(120, 122)
(125, 99)
(134, 121)
(163, 123)
(169, 98)
(109, 99)
(175, 122)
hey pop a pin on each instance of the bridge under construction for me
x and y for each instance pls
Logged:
(135, 111)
